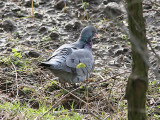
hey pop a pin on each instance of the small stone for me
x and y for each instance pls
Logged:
(118, 52)
(60, 4)
(105, 2)
(32, 54)
(69, 26)
(125, 50)
(157, 47)
(73, 25)
(1, 30)
(147, 7)
(77, 25)
(1, 4)
(9, 49)
(38, 15)
(112, 9)
(8, 25)
(54, 35)
(42, 30)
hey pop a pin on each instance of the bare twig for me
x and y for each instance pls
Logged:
(158, 101)
(32, 10)
(16, 79)
(101, 76)
(149, 43)
(155, 3)
(111, 89)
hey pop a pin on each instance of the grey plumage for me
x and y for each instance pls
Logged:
(64, 60)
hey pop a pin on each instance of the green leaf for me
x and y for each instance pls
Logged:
(118, 76)
(124, 37)
(81, 86)
(81, 65)
(14, 50)
(153, 41)
(54, 82)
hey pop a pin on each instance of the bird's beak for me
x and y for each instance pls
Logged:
(96, 35)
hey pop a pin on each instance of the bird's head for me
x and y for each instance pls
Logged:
(87, 34)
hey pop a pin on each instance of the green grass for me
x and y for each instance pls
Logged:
(15, 109)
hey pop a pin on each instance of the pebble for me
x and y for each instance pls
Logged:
(77, 25)
(68, 26)
(42, 30)
(1, 4)
(54, 35)
(112, 9)
(118, 52)
(157, 47)
(60, 4)
(32, 54)
(8, 25)
(105, 2)
(38, 15)
(73, 25)
(147, 7)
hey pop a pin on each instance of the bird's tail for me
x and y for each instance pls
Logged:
(45, 64)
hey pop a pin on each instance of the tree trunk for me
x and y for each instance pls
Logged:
(138, 80)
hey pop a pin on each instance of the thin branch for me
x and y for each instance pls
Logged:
(149, 43)
(16, 79)
(155, 3)
(32, 10)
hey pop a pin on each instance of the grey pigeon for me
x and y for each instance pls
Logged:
(63, 63)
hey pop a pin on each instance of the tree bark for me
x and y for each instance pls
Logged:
(138, 80)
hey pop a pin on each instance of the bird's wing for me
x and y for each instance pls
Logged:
(58, 60)
(81, 56)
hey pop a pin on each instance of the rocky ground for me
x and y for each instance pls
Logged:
(25, 41)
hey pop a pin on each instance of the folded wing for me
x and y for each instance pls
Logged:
(81, 56)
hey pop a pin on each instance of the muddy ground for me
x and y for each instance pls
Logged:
(25, 41)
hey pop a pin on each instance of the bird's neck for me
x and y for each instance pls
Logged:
(86, 42)
(83, 38)
(88, 46)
